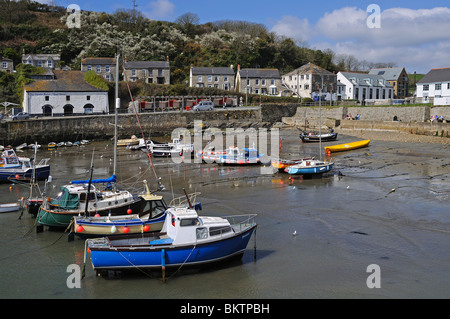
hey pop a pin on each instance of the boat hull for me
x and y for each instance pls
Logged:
(53, 218)
(9, 174)
(309, 170)
(155, 257)
(9, 208)
(347, 147)
(92, 228)
(316, 138)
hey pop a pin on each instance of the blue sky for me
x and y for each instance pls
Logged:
(414, 34)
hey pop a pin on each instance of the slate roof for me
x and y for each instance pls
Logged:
(147, 65)
(308, 69)
(212, 71)
(65, 81)
(259, 73)
(390, 74)
(360, 79)
(436, 75)
(41, 56)
(99, 61)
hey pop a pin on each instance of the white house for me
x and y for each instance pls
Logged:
(365, 87)
(435, 86)
(48, 61)
(68, 94)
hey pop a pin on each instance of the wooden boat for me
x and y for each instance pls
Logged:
(308, 137)
(186, 239)
(13, 167)
(346, 147)
(150, 220)
(10, 207)
(128, 142)
(310, 167)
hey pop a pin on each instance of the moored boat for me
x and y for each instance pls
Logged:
(281, 164)
(309, 137)
(10, 207)
(186, 239)
(347, 146)
(13, 167)
(310, 167)
(236, 156)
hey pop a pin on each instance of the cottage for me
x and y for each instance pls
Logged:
(46, 61)
(217, 77)
(435, 86)
(7, 65)
(258, 81)
(310, 81)
(105, 67)
(365, 87)
(397, 77)
(157, 72)
(68, 94)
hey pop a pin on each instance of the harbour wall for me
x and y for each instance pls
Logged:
(101, 127)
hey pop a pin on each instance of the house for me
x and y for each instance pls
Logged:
(310, 81)
(46, 61)
(258, 81)
(68, 94)
(365, 87)
(7, 65)
(217, 77)
(435, 87)
(105, 67)
(148, 71)
(397, 77)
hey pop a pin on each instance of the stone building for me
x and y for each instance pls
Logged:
(258, 81)
(157, 72)
(397, 77)
(46, 61)
(7, 65)
(105, 67)
(68, 94)
(217, 77)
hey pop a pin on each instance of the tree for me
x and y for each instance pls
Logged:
(188, 23)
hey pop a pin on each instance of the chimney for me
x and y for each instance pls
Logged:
(167, 58)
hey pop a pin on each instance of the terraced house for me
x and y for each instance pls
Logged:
(7, 65)
(105, 67)
(258, 81)
(434, 87)
(365, 87)
(157, 72)
(217, 77)
(46, 61)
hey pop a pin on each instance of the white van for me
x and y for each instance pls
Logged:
(204, 106)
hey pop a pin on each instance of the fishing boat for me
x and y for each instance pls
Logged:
(10, 207)
(13, 167)
(311, 137)
(151, 220)
(236, 156)
(186, 239)
(346, 147)
(51, 146)
(310, 167)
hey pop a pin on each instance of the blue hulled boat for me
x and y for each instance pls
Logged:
(186, 239)
(310, 167)
(13, 167)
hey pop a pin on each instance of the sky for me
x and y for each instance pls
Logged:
(413, 34)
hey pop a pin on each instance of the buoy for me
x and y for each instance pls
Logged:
(129, 211)
(80, 229)
(146, 228)
(97, 215)
(126, 229)
(113, 229)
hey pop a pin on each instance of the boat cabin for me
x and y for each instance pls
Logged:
(183, 225)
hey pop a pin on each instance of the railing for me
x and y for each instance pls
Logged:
(182, 201)
(241, 222)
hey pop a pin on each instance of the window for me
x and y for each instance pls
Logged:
(448, 86)
(39, 64)
(107, 69)
(143, 72)
(202, 233)
(263, 82)
(209, 78)
(99, 68)
(256, 82)
(273, 91)
(216, 78)
(88, 97)
(426, 87)
(4, 65)
(89, 67)
(133, 72)
(200, 78)
(189, 222)
(50, 63)
(47, 98)
(272, 82)
(225, 79)
(214, 231)
(437, 86)
(67, 97)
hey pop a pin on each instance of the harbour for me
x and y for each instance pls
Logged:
(385, 204)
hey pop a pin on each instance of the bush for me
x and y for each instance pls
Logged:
(95, 80)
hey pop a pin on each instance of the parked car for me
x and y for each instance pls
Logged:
(204, 106)
(21, 116)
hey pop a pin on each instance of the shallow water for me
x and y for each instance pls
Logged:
(387, 204)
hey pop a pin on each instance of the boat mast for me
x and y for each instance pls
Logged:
(116, 109)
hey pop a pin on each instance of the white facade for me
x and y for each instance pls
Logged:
(433, 90)
(65, 103)
(365, 87)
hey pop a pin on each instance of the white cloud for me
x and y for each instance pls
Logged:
(159, 9)
(417, 39)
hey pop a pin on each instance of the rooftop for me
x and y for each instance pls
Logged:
(390, 74)
(259, 73)
(65, 81)
(212, 71)
(147, 64)
(436, 75)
